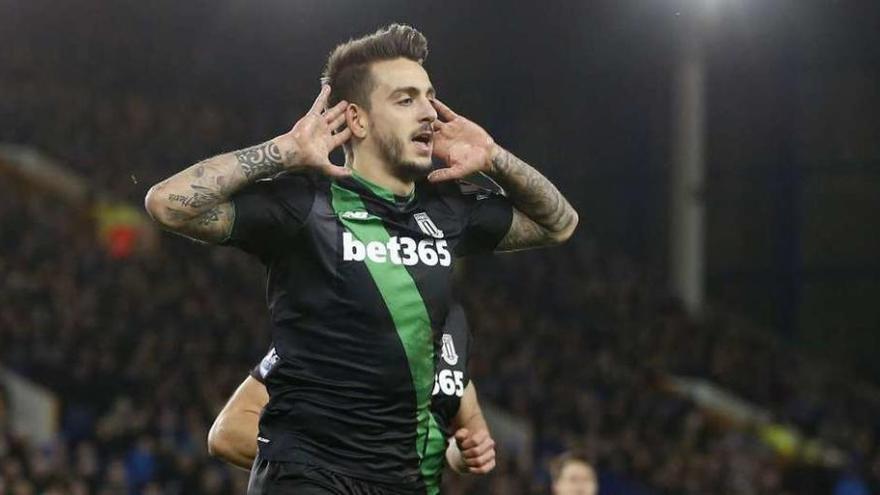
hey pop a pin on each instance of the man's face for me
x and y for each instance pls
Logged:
(576, 478)
(401, 115)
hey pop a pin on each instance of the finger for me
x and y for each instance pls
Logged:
(438, 126)
(321, 100)
(465, 444)
(483, 469)
(335, 171)
(443, 111)
(341, 137)
(449, 173)
(480, 437)
(474, 440)
(333, 113)
(481, 460)
(461, 435)
(479, 449)
(337, 122)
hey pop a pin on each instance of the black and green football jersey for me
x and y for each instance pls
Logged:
(451, 378)
(359, 290)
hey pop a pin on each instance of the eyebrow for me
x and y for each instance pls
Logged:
(412, 91)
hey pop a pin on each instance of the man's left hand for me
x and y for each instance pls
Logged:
(463, 145)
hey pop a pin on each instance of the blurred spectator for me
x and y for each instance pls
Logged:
(572, 474)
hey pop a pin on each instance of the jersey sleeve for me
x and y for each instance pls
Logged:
(265, 365)
(487, 217)
(457, 325)
(269, 212)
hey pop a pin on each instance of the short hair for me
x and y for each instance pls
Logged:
(558, 463)
(348, 67)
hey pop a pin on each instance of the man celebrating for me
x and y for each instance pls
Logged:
(359, 261)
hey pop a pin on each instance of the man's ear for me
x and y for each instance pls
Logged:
(357, 120)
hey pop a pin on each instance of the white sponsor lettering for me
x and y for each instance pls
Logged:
(398, 251)
(450, 382)
(376, 251)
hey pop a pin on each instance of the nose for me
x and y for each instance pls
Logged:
(427, 112)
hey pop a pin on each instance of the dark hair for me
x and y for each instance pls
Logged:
(558, 463)
(348, 68)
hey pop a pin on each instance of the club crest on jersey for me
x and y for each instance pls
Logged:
(428, 226)
(447, 351)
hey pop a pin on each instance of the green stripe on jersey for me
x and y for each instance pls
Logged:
(379, 190)
(435, 452)
(410, 317)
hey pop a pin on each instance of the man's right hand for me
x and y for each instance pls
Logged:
(476, 451)
(309, 143)
(196, 202)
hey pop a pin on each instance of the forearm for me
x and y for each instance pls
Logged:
(235, 442)
(472, 419)
(535, 197)
(209, 183)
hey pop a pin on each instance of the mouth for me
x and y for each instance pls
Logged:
(423, 141)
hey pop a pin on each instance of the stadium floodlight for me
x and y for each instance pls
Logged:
(687, 174)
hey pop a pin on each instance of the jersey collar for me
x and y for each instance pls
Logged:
(380, 191)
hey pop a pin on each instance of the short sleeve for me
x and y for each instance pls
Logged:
(269, 212)
(265, 365)
(487, 219)
(457, 325)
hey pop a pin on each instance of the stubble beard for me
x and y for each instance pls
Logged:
(391, 149)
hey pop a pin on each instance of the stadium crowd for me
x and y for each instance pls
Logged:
(143, 351)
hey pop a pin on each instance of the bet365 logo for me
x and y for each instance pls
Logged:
(450, 382)
(398, 250)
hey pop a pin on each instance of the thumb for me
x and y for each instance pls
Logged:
(335, 171)
(461, 435)
(444, 174)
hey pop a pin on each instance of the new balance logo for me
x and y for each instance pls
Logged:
(356, 215)
(398, 251)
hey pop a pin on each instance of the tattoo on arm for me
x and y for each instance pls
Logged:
(202, 196)
(523, 234)
(260, 160)
(212, 226)
(542, 216)
(188, 197)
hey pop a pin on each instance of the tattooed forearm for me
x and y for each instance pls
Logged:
(543, 216)
(193, 195)
(261, 160)
(211, 216)
(201, 197)
(213, 226)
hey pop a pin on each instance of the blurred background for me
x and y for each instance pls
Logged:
(708, 330)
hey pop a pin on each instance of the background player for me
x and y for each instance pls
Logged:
(572, 474)
(360, 266)
(233, 436)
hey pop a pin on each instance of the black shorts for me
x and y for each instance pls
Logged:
(293, 478)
